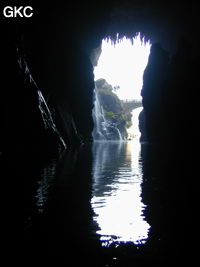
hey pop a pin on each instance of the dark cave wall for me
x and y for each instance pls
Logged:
(170, 94)
(28, 124)
(154, 94)
(56, 48)
(59, 58)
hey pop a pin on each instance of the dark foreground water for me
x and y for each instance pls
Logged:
(109, 204)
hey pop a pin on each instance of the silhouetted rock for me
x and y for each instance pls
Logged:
(154, 94)
(142, 126)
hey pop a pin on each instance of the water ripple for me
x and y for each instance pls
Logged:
(116, 202)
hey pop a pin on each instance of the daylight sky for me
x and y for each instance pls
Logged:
(123, 65)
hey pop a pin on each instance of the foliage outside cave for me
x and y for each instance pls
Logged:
(116, 111)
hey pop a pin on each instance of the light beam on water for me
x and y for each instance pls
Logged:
(116, 201)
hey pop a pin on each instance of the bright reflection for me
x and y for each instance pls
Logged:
(123, 64)
(116, 201)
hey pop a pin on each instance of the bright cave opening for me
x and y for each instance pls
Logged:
(117, 164)
(118, 84)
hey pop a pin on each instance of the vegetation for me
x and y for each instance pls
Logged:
(115, 110)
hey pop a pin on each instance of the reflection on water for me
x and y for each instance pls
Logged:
(116, 197)
(47, 177)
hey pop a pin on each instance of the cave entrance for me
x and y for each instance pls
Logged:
(117, 166)
(118, 83)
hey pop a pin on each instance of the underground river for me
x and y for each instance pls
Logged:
(104, 204)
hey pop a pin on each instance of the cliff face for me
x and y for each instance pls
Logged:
(116, 119)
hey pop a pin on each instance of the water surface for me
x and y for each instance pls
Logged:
(116, 193)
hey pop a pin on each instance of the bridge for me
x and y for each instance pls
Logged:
(130, 105)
